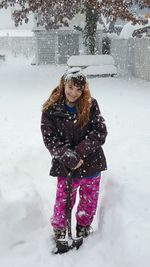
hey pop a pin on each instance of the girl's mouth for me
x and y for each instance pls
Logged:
(73, 98)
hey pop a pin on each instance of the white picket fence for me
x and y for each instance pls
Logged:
(132, 56)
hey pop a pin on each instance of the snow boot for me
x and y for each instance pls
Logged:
(59, 234)
(83, 231)
(61, 243)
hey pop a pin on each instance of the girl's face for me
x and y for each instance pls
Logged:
(72, 92)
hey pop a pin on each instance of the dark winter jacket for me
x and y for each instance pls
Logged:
(68, 143)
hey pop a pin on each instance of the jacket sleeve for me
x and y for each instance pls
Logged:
(56, 147)
(96, 136)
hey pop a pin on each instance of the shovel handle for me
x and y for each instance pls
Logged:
(69, 199)
(69, 202)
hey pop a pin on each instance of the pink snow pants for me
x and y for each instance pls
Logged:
(88, 198)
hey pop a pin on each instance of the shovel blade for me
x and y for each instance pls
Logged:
(63, 246)
(76, 243)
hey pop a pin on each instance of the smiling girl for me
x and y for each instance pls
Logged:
(74, 131)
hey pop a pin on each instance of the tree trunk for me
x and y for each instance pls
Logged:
(90, 29)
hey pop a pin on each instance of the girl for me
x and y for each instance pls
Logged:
(74, 131)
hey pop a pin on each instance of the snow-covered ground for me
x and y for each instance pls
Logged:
(27, 193)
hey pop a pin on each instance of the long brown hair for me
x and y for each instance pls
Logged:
(83, 104)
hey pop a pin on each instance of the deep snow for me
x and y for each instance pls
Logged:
(27, 193)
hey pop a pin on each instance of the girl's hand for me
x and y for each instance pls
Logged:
(79, 164)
